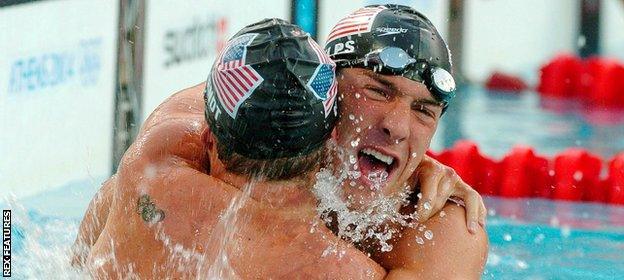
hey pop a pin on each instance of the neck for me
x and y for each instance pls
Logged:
(296, 192)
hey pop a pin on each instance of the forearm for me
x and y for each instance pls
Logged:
(450, 252)
(411, 274)
(93, 222)
(400, 274)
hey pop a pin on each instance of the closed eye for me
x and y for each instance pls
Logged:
(376, 93)
(423, 109)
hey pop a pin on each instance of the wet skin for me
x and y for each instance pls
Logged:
(177, 185)
(397, 119)
(166, 168)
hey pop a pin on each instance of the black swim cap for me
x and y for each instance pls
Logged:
(394, 32)
(271, 92)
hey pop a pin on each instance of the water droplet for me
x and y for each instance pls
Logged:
(580, 42)
(539, 238)
(507, 237)
(578, 175)
(354, 174)
(419, 240)
(351, 117)
(429, 234)
(427, 205)
(352, 158)
(414, 155)
(357, 95)
(554, 221)
(358, 129)
(442, 213)
(522, 265)
(491, 212)
(419, 195)
(565, 231)
(386, 247)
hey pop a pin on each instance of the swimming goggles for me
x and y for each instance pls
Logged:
(396, 61)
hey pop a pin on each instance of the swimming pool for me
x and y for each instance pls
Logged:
(529, 238)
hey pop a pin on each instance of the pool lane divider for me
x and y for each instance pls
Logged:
(595, 81)
(574, 174)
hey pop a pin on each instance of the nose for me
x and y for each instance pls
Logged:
(395, 123)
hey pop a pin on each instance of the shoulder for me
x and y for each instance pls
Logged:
(442, 247)
(174, 129)
(186, 103)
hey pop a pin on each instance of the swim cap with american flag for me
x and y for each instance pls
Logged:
(360, 21)
(271, 92)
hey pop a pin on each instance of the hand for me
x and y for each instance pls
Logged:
(438, 183)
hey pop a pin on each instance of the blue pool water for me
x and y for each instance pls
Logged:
(498, 121)
(529, 238)
(543, 239)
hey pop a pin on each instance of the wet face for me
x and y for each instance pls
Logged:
(385, 127)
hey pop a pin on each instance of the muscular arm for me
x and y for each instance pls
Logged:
(93, 222)
(184, 244)
(164, 164)
(452, 253)
(187, 105)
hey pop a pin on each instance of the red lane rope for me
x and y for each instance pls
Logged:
(597, 81)
(574, 174)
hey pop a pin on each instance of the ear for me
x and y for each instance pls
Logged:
(334, 133)
(208, 139)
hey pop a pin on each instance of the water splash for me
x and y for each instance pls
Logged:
(42, 245)
(224, 235)
(370, 224)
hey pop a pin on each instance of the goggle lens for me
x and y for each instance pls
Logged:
(396, 61)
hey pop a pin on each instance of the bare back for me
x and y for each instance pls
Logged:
(164, 216)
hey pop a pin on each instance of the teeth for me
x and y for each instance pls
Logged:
(384, 158)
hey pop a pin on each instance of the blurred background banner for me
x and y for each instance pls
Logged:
(538, 117)
(79, 77)
(57, 79)
(183, 37)
(612, 23)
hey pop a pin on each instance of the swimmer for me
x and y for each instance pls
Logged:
(184, 112)
(165, 217)
(394, 85)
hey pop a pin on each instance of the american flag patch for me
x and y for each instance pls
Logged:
(357, 22)
(323, 82)
(233, 80)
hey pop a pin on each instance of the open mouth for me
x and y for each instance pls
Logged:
(376, 167)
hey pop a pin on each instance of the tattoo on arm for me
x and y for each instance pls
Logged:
(148, 211)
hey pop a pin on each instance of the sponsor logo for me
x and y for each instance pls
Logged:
(81, 64)
(340, 48)
(198, 40)
(385, 31)
(6, 243)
